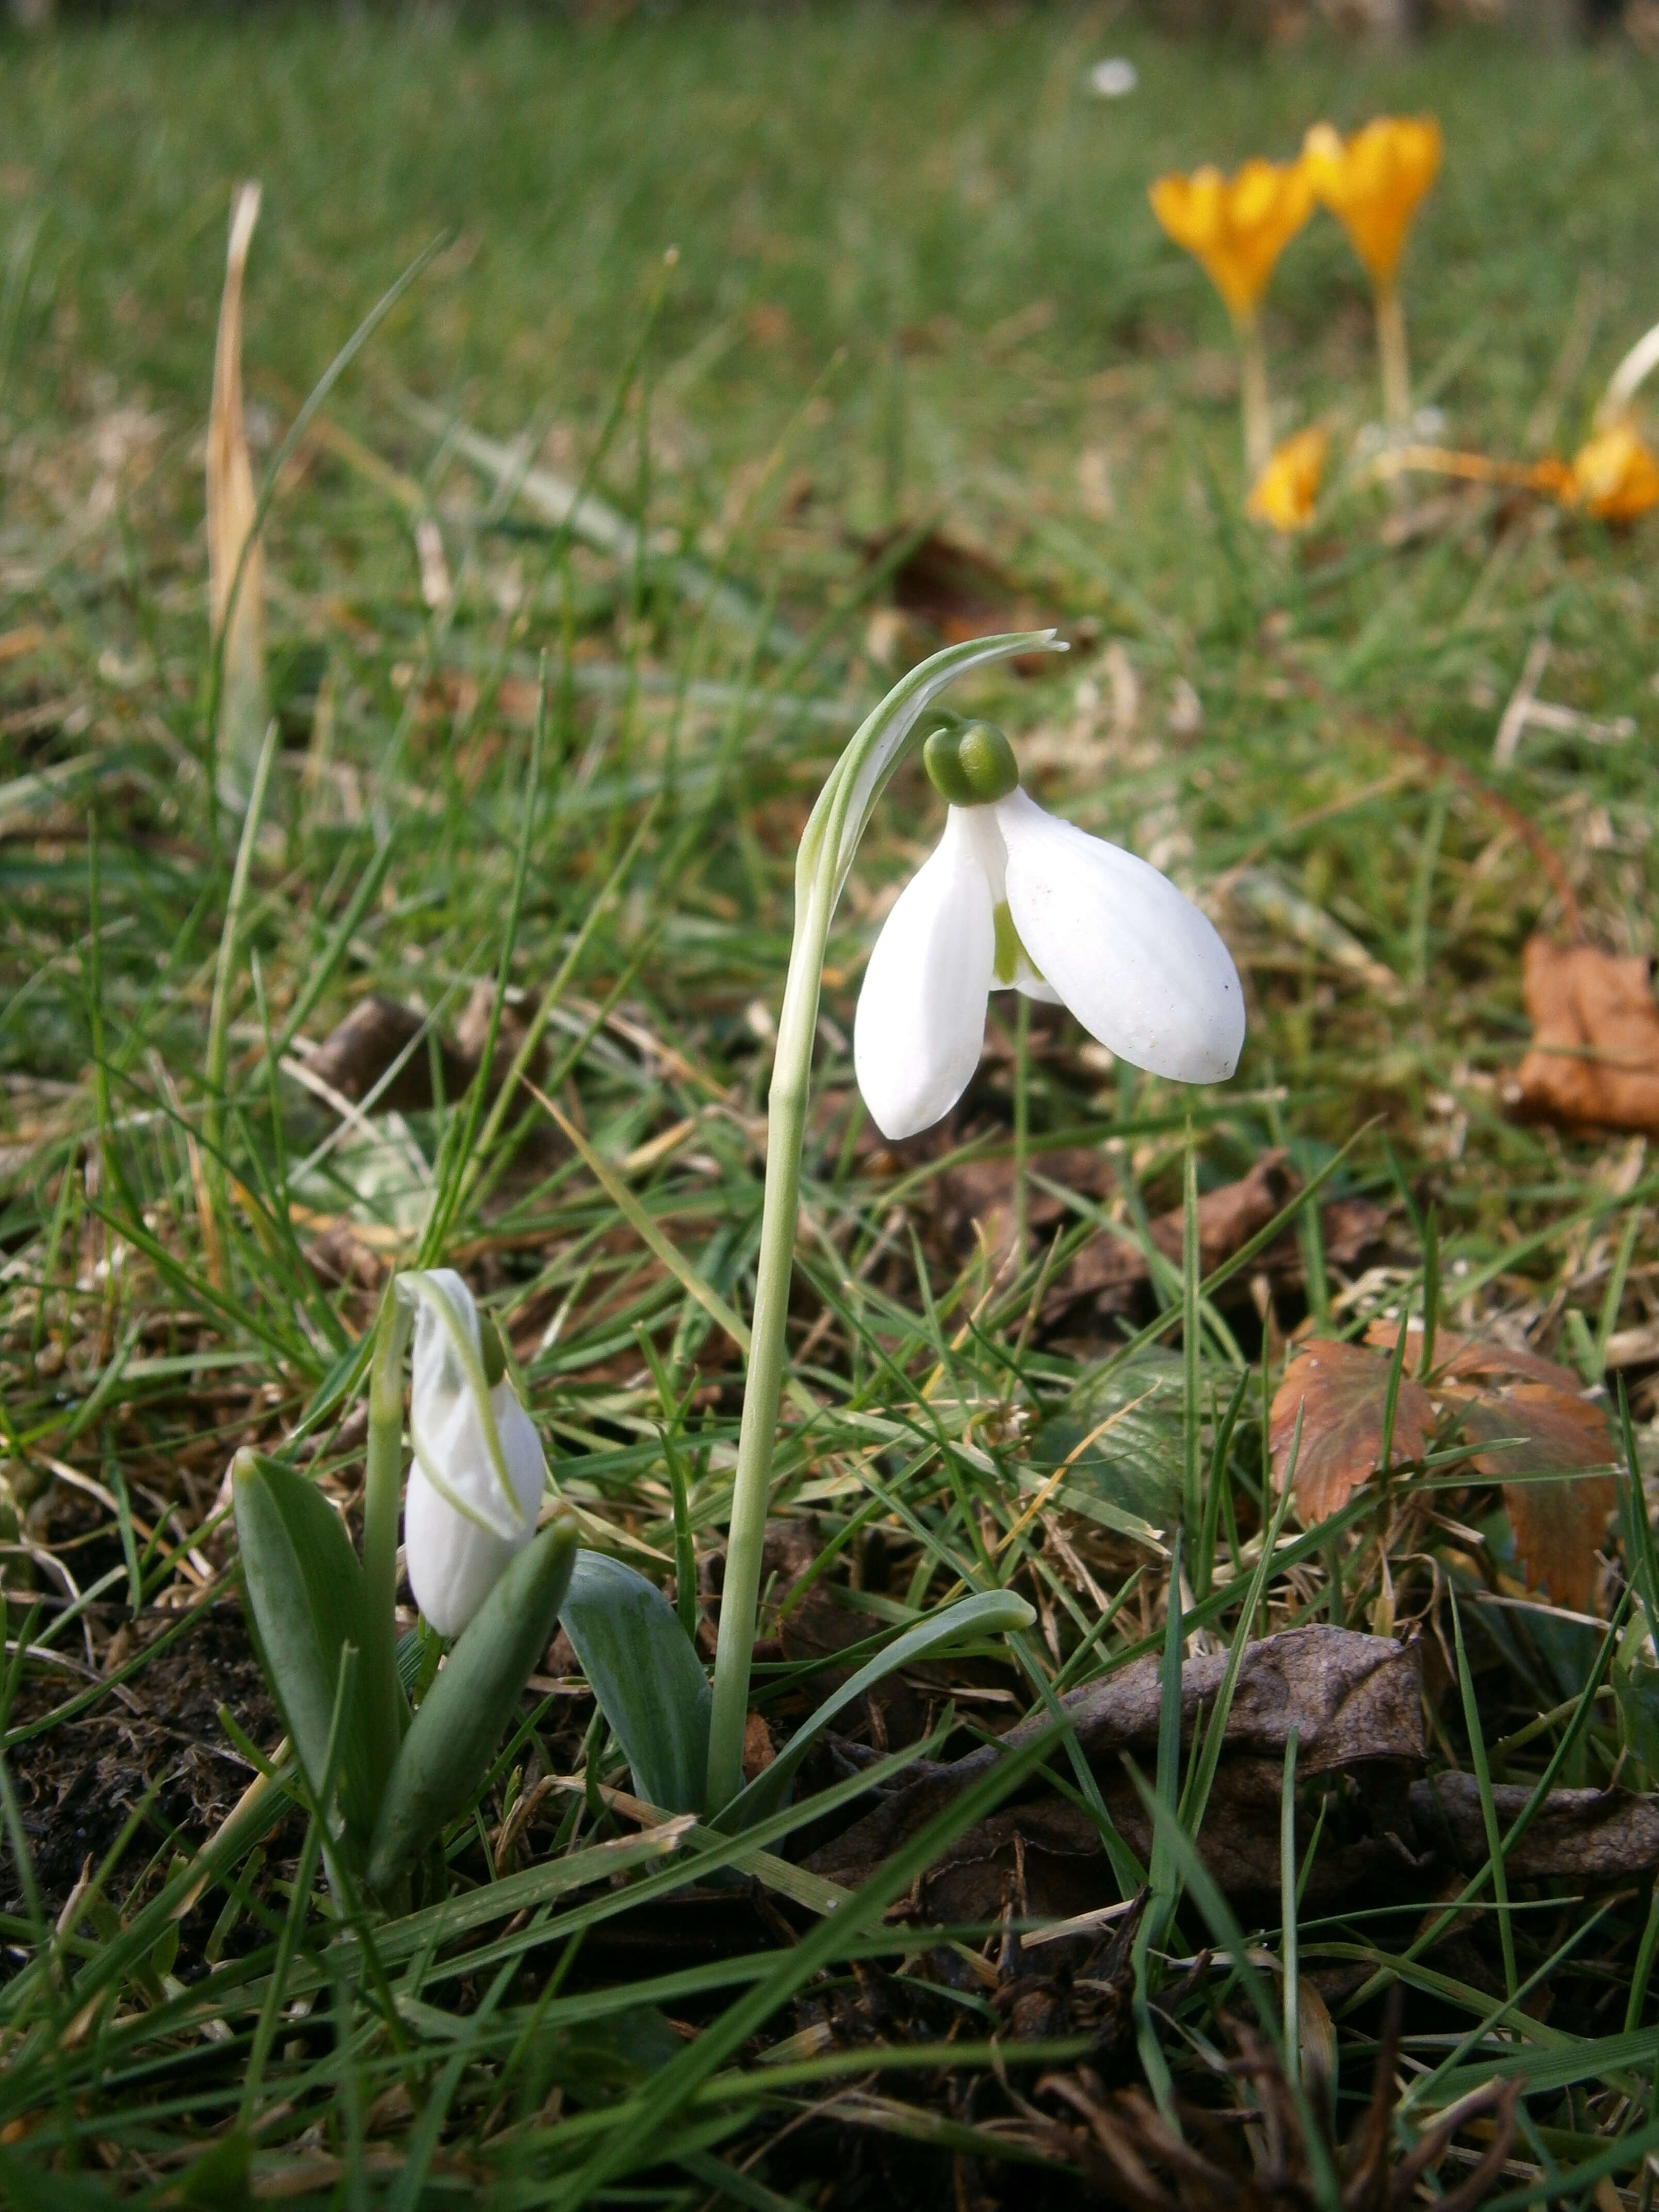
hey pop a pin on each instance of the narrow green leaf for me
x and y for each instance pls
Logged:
(306, 1591)
(989, 1613)
(1488, 1806)
(452, 1738)
(645, 1672)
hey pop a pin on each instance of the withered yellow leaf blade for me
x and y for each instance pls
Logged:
(236, 600)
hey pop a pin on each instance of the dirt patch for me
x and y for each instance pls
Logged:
(78, 1783)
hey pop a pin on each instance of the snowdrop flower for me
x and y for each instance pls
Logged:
(476, 1483)
(1014, 899)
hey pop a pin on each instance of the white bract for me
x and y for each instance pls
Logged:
(476, 1483)
(1014, 899)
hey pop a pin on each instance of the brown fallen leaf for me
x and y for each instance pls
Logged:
(1594, 1060)
(379, 1031)
(1352, 1699)
(957, 593)
(1340, 1392)
(1227, 1218)
(975, 1199)
(1470, 1359)
(1548, 1427)
(758, 1750)
(1601, 1834)
(358, 1051)
(1056, 1846)
(1108, 1270)
(1559, 1524)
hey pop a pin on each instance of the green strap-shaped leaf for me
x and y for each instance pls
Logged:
(991, 1612)
(306, 1592)
(452, 1738)
(645, 1672)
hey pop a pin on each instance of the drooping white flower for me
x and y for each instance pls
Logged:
(1012, 898)
(476, 1481)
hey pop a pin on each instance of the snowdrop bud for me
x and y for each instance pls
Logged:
(971, 764)
(476, 1483)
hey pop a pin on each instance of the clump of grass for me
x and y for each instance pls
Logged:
(195, 1239)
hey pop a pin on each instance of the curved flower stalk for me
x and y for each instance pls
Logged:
(1237, 227)
(1373, 183)
(1014, 899)
(1286, 492)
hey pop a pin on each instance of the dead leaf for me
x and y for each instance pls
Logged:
(1351, 1699)
(955, 591)
(472, 1033)
(379, 1031)
(1601, 1834)
(758, 1752)
(1340, 1390)
(1558, 1525)
(358, 1051)
(1549, 1427)
(335, 1257)
(1594, 1060)
(1107, 1269)
(235, 557)
(1470, 1359)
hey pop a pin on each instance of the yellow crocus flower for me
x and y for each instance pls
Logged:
(1373, 183)
(1286, 492)
(1615, 477)
(1237, 227)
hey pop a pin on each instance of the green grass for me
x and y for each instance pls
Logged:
(917, 280)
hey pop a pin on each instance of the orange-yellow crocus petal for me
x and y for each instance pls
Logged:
(1372, 183)
(1236, 226)
(1615, 478)
(1284, 495)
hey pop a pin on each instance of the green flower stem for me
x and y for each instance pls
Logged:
(826, 854)
(1396, 369)
(1253, 397)
(381, 1482)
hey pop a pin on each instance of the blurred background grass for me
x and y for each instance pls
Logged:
(867, 172)
(916, 246)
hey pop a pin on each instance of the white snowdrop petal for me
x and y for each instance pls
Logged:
(453, 1564)
(920, 1021)
(1144, 971)
(521, 1448)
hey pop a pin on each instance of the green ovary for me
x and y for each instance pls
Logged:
(1010, 953)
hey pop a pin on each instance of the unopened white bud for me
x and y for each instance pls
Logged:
(476, 1483)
